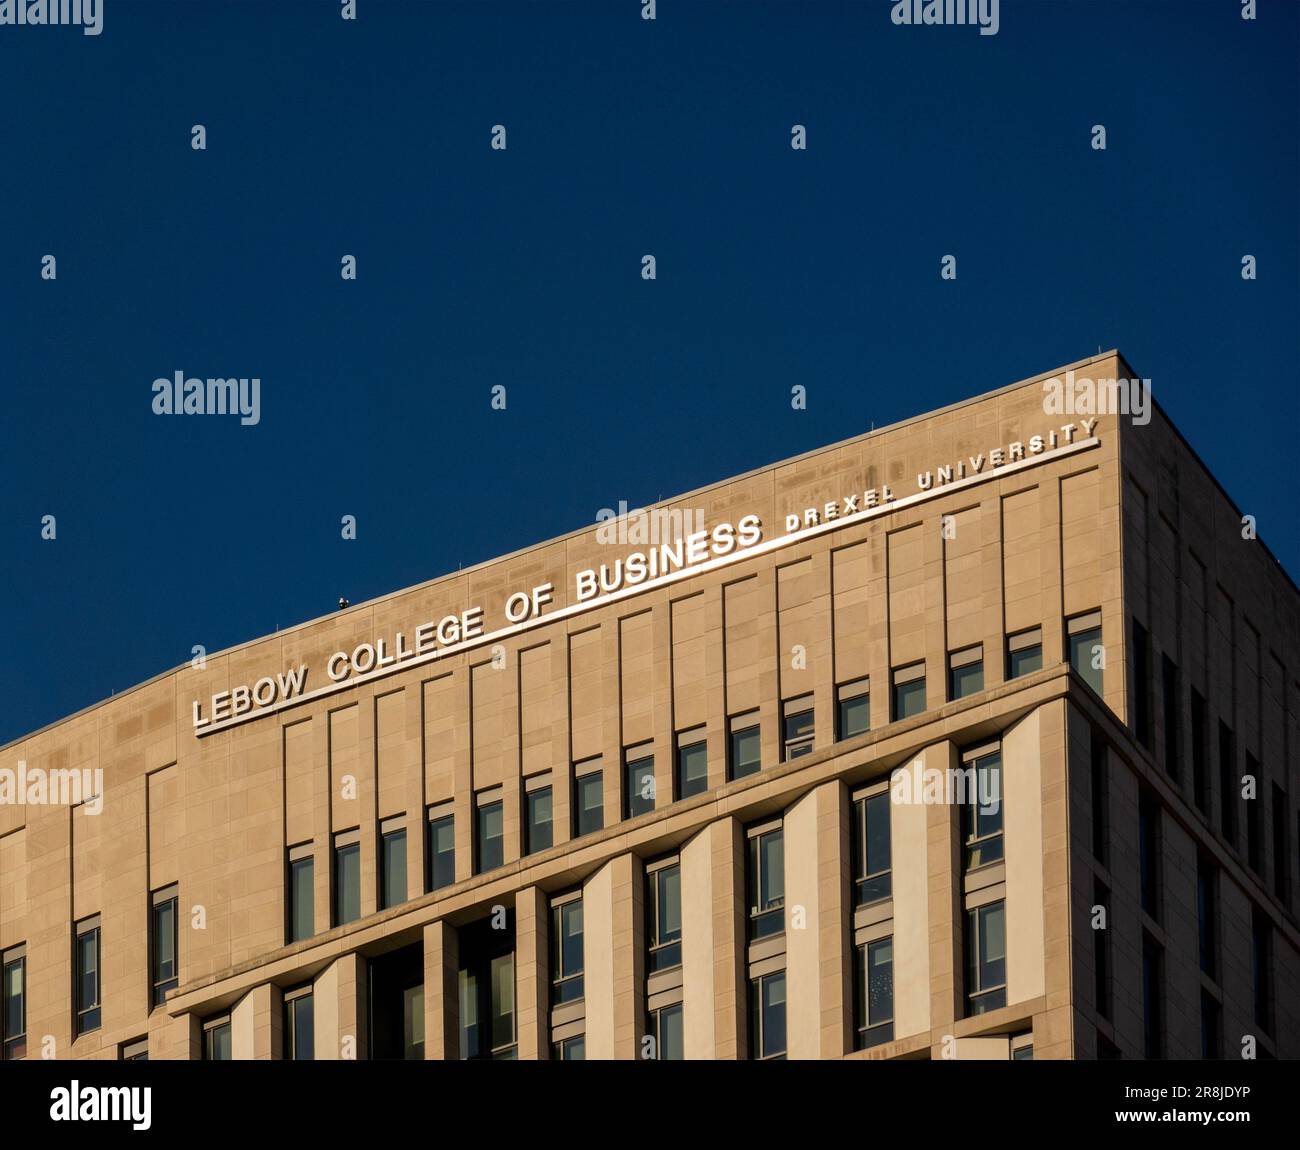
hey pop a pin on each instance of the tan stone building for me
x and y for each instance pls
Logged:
(833, 759)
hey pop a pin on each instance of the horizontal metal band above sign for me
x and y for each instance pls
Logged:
(765, 547)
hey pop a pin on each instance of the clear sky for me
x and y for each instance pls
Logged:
(522, 268)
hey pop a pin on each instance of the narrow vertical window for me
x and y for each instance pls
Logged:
(490, 839)
(767, 1016)
(589, 806)
(766, 881)
(667, 1031)
(1211, 1025)
(566, 950)
(981, 808)
(299, 1025)
(1083, 648)
(1281, 852)
(872, 867)
(442, 849)
(745, 748)
(392, 862)
(1140, 695)
(1171, 701)
(638, 782)
(909, 691)
(874, 997)
(1152, 996)
(1101, 950)
(13, 988)
(539, 815)
(692, 764)
(87, 987)
(1261, 933)
(853, 714)
(302, 892)
(797, 728)
(163, 945)
(347, 877)
(216, 1039)
(1149, 853)
(986, 958)
(663, 917)
(1207, 916)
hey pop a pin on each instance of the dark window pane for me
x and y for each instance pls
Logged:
(745, 752)
(967, 680)
(880, 981)
(640, 786)
(1025, 661)
(671, 1044)
(591, 811)
(539, 820)
(491, 837)
(503, 1002)
(573, 1049)
(797, 734)
(347, 883)
(692, 770)
(872, 849)
(1085, 650)
(216, 1041)
(855, 716)
(442, 852)
(15, 993)
(299, 1029)
(773, 1007)
(567, 952)
(909, 699)
(302, 914)
(393, 876)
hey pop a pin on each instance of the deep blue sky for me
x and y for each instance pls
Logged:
(522, 268)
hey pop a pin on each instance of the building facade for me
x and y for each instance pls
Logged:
(977, 736)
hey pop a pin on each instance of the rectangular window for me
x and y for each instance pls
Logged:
(1261, 934)
(88, 979)
(299, 1026)
(589, 804)
(571, 1049)
(669, 1036)
(1211, 1025)
(1254, 837)
(216, 1039)
(539, 831)
(486, 991)
(853, 715)
(302, 892)
(1024, 652)
(981, 810)
(872, 866)
(1101, 950)
(638, 782)
(966, 672)
(692, 764)
(1152, 992)
(1170, 699)
(797, 728)
(874, 993)
(1228, 783)
(1281, 851)
(137, 1050)
(767, 1016)
(392, 862)
(664, 917)
(766, 881)
(986, 958)
(1207, 916)
(13, 984)
(347, 877)
(909, 691)
(1083, 644)
(1200, 760)
(1149, 853)
(442, 851)
(1100, 798)
(744, 752)
(490, 836)
(1022, 1048)
(1141, 686)
(163, 945)
(566, 950)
